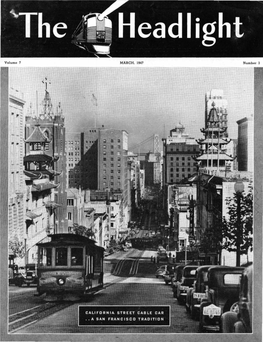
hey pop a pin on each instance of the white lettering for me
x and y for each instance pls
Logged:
(131, 24)
(143, 26)
(57, 27)
(27, 23)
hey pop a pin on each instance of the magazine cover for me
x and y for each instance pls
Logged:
(131, 182)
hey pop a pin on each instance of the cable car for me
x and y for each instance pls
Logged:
(94, 34)
(69, 267)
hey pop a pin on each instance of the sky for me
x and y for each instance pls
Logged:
(141, 101)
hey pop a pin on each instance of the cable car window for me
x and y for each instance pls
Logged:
(61, 257)
(76, 256)
(45, 256)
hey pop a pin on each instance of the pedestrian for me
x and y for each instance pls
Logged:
(154, 260)
(151, 258)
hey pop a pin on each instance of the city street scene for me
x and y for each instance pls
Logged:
(130, 200)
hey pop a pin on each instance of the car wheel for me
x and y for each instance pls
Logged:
(234, 307)
(228, 320)
(193, 313)
(201, 327)
(179, 300)
(239, 328)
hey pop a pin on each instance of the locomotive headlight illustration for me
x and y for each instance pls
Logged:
(94, 34)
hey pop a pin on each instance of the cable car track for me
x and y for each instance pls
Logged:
(29, 316)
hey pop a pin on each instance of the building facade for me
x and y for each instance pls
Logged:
(245, 149)
(16, 184)
(178, 152)
(41, 208)
(73, 158)
(52, 123)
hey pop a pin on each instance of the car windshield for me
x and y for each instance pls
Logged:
(189, 272)
(188, 282)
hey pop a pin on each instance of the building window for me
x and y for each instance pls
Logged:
(70, 201)
(69, 216)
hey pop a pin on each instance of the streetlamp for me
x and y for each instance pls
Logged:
(239, 188)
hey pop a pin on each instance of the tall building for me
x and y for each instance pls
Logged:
(215, 99)
(90, 159)
(51, 123)
(179, 150)
(213, 147)
(73, 153)
(245, 147)
(16, 184)
(113, 172)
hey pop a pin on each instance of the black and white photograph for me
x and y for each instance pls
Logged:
(130, 200)
(131, 170)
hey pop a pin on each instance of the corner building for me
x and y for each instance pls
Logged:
(178, 152)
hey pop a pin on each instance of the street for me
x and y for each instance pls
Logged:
(132, 282)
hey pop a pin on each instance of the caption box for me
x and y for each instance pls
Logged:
(124, 315)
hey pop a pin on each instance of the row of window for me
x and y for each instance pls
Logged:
(112, 140)
(179, 177)
(72, 142)
(112, 147)
(180, 158)
(180, 170)
(181, 164)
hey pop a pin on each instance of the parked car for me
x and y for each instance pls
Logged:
(30, 275)
(176, 278)
(162, 255)
(197, 293)
(161, 271)
(222, 295)
(169, 274)
(240, 321)
(188, 278)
